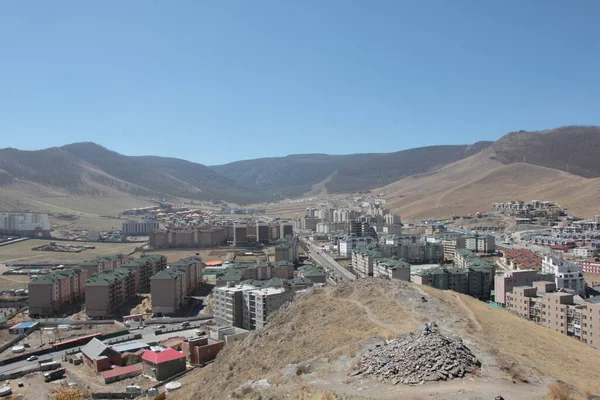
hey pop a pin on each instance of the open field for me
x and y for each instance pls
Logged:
(21, 252)
(10, 282)
(592, 279)
(38, 198)
(206, 254)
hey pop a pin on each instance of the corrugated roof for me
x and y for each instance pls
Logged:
(94, 349)
(117, 371)
(131, 347)
(166, 355)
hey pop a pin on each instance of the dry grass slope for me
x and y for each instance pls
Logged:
(475, 183)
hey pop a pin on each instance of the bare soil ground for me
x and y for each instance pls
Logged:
(21, 252)
(325, 333)
(10, 282)
(206, 254)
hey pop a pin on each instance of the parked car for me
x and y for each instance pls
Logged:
(161, 327)
(32, 358)
(185, 324)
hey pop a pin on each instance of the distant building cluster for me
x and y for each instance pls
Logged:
(30, 224)
(539, 212)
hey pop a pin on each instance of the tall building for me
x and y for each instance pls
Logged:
(262, 233)
(567, 274)
(286, 229)
(145, 266)
(103, 264)
(426, 253)
(480, 243)
(171, 286)
(240, 234)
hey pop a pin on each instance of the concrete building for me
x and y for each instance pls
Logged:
(50, 293)
(263, 233)
(247, 306)
(162, 365)
(521, 259)
(391, 268)
(106, 293)
(567, 274)
(171, 286)
(480, 243)
(33, 224)
(427, 253)
(103, 264)
(99, 356)
(286, 229)
(350, 243)
(562, 312)
(260, 303)
(505, 283)
(202, 349)
(451, 243)
(590, 267)
(139, 228)
(287, 251)
(313, 273)
(476, 280)
(146, 266)
(585, 252)
(240, 234)
(191, 237)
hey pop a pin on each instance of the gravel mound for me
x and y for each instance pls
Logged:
(415, 359)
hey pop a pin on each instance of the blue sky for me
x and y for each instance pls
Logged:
(219, 81)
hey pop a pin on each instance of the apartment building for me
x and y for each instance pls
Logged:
(567, 274)
(139, 228)
(145, 266)
(286, 229)
(521, 259)
(259, 303)
(238, 272)
(350, 243)
(103, 264)
(190, 237)
(426, 253)
(313, 273)
(246, 306)
(107, 292)
(590, 267)
(25, 223)
(49, 293)
(585, 252)
(287, 251)
(391, 268)
(505, 283)
(431, 229)
(480, 243)
(240, 234)
(451, 243)
(562, 312)
(476, 280)
(262, 233)
(171, 286)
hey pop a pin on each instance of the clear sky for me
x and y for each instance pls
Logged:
(218, 81)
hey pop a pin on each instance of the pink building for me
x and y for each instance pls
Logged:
(505, 283)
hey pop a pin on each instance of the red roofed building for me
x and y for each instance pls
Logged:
(521, 259)
(163, 364)
(120, 373)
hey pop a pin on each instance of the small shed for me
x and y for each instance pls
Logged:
(163, 364)
(23, 327)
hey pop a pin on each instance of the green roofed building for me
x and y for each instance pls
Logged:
(312, 272)
(106, 293)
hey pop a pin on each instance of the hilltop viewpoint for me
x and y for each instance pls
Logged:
(312, 349)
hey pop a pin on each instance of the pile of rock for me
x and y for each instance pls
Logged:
(417, 359)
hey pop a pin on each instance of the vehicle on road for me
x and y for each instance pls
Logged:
(185, 324)
(161, 327)
(32, 358)
(49, 376)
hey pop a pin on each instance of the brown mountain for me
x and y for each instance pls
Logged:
(521, 165)
(90, 169)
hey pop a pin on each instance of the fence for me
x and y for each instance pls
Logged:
(115, 395)
(11, 342)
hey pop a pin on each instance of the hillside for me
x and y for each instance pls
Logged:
(311, 347)
(92, 170)
(473, 184)
(296, 174)
(572, 149)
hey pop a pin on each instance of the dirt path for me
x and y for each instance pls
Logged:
(395, 328)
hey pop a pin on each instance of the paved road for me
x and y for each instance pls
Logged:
(329, 263)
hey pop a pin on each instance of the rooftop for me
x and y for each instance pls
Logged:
(159, 357)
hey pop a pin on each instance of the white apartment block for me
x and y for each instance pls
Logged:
(139, 227)
(480, 243)
(585, 252)
(567, 275)
(350, 243)
(24, 222)
(246, 306)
